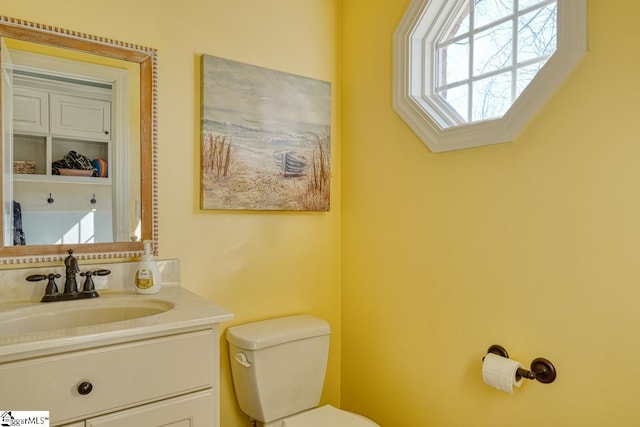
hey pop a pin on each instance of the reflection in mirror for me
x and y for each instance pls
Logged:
(79, 141)
(72, 138)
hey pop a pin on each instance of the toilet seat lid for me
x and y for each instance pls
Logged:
(327, 416)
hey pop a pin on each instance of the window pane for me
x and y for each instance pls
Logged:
(459, 25)
(458, 98)
(488, 11)
(491, 96)
(489, 92)
(493, 49)
(453, 62)
(524, 4)
(537, 33)
(525, 75)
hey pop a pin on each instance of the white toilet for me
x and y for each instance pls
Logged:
(278, 368)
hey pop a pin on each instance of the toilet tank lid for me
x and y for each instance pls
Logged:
(267, 333)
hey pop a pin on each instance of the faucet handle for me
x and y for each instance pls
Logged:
(88, 288)
(51, 291)
(102, 272)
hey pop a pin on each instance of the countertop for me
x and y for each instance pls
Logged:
(190, 312)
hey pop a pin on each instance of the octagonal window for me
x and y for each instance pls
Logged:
(473, 72)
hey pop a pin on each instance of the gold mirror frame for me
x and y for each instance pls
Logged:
(147, 60)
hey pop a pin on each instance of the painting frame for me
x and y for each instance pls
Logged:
(265, 139)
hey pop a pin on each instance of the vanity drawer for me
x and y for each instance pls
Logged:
(121, 376)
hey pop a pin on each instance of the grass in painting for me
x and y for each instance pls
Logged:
(230, 183)
(216, 156)
(316, 196)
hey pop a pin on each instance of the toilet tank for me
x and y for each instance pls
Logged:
(278, 365)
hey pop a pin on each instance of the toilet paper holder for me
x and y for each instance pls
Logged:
(541, 368)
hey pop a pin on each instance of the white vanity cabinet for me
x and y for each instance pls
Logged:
(190, 410)
(169, 380)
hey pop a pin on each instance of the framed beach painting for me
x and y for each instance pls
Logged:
(265, 139)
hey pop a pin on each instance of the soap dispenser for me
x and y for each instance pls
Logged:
(147, 280)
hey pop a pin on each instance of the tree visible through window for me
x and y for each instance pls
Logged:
(490, 51)
(473, 72)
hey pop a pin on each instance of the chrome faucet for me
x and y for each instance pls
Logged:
(70, 284)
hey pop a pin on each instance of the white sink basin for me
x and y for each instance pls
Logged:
(72, 314)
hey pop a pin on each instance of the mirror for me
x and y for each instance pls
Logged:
(98, 188)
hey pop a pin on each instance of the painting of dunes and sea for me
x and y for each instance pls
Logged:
(266, 139)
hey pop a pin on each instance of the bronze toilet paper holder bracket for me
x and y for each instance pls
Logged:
(541, 368)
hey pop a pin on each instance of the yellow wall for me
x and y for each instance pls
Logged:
(533, 245)
(255, 264)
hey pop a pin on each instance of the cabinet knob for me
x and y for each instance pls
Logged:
(85, 388)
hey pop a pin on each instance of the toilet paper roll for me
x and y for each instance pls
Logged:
(500, 372)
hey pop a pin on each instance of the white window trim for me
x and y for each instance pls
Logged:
(413, 102)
